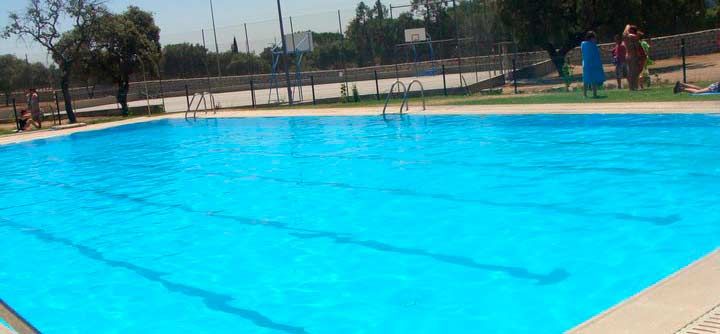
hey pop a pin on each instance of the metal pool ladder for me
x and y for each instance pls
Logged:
(406, 90)
(202, 99)
(17, 322)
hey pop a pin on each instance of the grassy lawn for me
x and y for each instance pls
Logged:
(6, 131)
(653, 94)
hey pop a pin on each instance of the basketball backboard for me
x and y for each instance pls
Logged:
(301, 41)
(415, 35)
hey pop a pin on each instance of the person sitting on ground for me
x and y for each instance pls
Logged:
(593, 73)
(693, 89)
(619, 52)
(25, 121)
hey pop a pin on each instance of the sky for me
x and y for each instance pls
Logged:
(183, 20)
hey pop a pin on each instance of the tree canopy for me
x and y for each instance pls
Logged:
(122, 44)
(41, 22)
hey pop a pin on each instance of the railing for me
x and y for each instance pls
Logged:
(392, 90)
(406, 103)
(201, 100)
(17, 322)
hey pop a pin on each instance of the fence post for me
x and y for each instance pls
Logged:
(252, 92)
(397, 73)
(57, 106)
(312, 85)
(377, 87)
(684, 63)
(515, 75)
(17, 122)
(187, 97)
(444, 82)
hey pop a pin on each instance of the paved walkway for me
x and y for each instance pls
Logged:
(677, 304)
(704, 107)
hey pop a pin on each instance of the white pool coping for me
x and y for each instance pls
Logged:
(700, 107)
(669, 306)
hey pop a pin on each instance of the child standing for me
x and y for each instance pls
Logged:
(645, 76)
(619, 52)
(593, 73)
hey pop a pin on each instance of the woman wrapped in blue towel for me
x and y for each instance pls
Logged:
(593, 73)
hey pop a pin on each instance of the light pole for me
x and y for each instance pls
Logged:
(284, 56)
(217, 49)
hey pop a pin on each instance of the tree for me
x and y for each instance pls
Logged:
(234, 47)
(9, 73)
(183, 60)
(558, 26)
(41, 21)
(122, 45)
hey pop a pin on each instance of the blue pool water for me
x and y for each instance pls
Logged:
(443, 224)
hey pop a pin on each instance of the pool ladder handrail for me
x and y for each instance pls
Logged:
(202, 100)
(390, 93)
(406, 103)
(15, 320)
(406, 91)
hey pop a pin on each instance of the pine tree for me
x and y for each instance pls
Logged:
(234, 46)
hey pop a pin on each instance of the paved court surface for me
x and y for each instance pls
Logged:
(243, 98)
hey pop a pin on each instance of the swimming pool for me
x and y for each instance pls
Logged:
(438, 224)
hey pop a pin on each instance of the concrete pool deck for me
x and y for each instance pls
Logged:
(700, 107)
(685, 302)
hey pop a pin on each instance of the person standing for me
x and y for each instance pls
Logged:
(634, 56)
(619, 53)
(647, 62)
(593, 73)
(33, 103)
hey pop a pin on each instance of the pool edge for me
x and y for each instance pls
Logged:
(667, 306)
(700, 107)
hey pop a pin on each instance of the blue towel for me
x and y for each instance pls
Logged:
(705, 94)
(593, 72)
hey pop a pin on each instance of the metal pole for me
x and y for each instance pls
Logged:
(391, 12)
(147, 92)
(57, 106)
(217, 48)
(377, 86)
(252, 92)
(444, 82)
(342, 50)
(292, 34)
(684, 63)
(17, 121)
(207, 66)
(187, 96)
(284, 56)
(162, 90)
(247, 41)
(515, 76)
(457, 41)
(312, 84)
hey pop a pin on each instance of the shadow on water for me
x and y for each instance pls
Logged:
(579, 211)
(656, 220)
(555, 276)
(212, 300)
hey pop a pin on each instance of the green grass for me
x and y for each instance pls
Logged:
(653, 94)
(6, 132)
